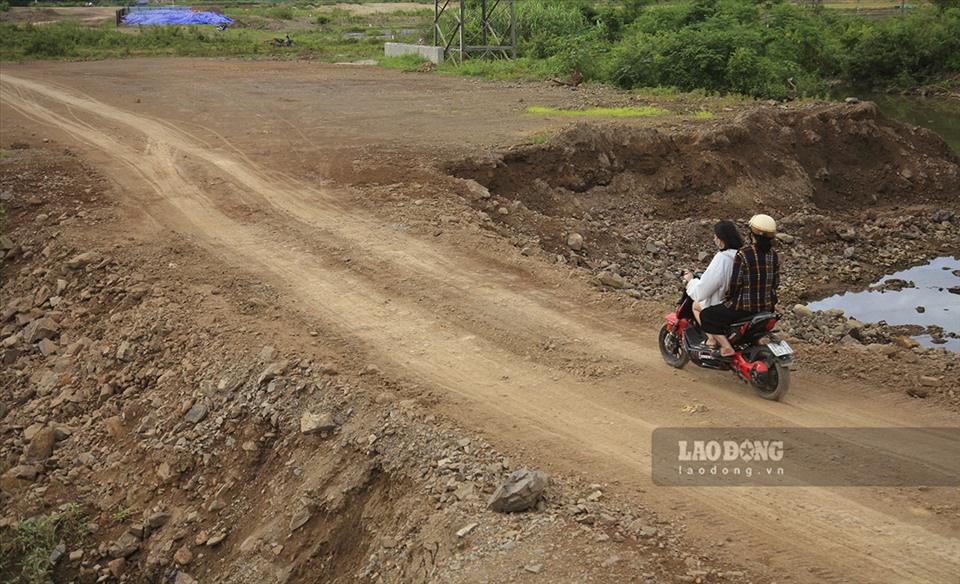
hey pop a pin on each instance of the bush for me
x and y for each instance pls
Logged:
(586, 53)
(721, 46)
(52, 41)
(160, 36)
(902, 52)
(57, 41)
(545, 28)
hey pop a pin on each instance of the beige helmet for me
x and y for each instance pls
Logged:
(763, 225)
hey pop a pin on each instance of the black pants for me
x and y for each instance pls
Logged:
(717, 318)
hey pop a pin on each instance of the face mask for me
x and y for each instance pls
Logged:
(719, 244)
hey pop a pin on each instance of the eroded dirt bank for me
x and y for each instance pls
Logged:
(186, 279)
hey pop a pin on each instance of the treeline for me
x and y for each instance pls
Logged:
(769, 49)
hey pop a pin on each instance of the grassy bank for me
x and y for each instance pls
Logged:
(320, 33)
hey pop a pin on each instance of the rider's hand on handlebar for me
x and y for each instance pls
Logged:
(687, 275)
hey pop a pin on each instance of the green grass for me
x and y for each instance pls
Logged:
(122, 516)
(501, 69)
(34, 539)
(408, 63)
(70, 41)
(542, 138)
(613, 112)
(715, 100)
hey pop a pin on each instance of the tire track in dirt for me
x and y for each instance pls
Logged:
(501, 390)
(369, 242)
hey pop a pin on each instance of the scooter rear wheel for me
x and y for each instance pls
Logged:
(773, 384)
(671, 348)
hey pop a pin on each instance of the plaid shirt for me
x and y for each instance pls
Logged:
(754, 281)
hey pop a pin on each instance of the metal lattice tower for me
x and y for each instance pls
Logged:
(475, 27)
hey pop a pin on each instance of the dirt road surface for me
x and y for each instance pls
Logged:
(293, 174)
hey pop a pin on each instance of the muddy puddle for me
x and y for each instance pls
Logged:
(926, 296)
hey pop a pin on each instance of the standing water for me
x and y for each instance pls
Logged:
(936, 285)
(932, 300)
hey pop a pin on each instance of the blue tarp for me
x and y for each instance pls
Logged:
(186, 16)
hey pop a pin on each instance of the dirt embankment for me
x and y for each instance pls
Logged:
(857, 195)
(835, 177)
(265, 380)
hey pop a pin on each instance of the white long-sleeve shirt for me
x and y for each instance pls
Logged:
(709, 288)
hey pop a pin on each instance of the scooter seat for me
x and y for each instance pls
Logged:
(758, 323)
(753, 319)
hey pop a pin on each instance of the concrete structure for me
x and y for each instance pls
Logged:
(434, 54)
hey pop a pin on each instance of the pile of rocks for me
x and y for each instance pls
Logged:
(819, 256)
(831, 326)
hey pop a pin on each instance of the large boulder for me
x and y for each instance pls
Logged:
(522, 490)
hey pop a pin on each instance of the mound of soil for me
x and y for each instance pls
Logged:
(827, 159)
(636, 194)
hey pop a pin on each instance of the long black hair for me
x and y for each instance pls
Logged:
(728, 234)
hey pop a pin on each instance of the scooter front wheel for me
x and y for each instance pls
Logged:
(671, 348)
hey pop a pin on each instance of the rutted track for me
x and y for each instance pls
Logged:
(497, 385)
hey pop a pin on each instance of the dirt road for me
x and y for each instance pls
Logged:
(283, 172)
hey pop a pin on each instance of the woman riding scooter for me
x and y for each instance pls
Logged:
(753, 284)
(709, 288)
